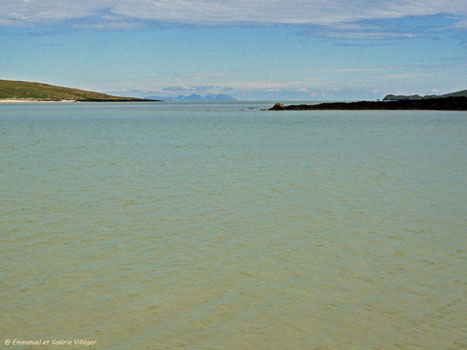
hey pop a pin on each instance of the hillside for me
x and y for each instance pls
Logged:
(21, 90)
(390, 97)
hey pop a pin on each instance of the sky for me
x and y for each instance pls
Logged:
(249, 49)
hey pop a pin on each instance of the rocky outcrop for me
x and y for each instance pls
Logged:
(446, 104)
(277, 107)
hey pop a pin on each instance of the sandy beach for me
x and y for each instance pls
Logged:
(32, 100)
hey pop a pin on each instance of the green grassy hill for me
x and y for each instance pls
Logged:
(22, 90)
(462, 93)
(391, 97)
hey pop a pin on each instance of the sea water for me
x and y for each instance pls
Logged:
(224, 226)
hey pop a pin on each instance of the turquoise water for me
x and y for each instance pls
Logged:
(223, 226)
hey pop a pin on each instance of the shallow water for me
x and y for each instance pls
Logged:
(222, 226)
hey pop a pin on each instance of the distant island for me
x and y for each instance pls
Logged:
(197, 98)
(456, 101)
(22, 91)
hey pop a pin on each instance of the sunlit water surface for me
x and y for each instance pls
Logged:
(222, 226)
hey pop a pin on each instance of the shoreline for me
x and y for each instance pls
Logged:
(436, 104)
(32, 100)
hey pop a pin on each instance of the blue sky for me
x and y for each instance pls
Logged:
(267, 50)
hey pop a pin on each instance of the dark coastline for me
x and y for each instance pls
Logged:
(444, 104)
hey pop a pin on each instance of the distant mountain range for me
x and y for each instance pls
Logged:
(196, 98)
(462, 93)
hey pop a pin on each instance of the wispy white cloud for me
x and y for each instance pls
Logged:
(351, 70)
(108, 25)
(193, 88)
(214, 12)
(404, 76)
(460, 24)
(203, 83)
(367, 35)
(320, 84)
(31, 12)
(302, 82)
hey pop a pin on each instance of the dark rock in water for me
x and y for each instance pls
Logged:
(447, 104)
(277, 107)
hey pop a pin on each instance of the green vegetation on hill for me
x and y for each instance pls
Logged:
(390, 97)
(21, 90)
